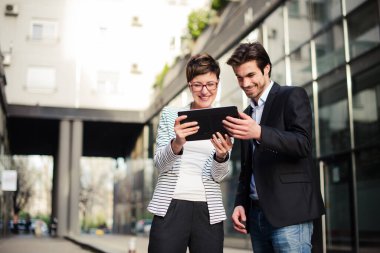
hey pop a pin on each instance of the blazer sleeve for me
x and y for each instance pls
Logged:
(243, 189)
(164, 156)
(294, 138)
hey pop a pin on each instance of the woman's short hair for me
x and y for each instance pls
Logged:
(200, 64)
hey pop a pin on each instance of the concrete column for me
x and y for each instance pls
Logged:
(62, 194)
(76, 154)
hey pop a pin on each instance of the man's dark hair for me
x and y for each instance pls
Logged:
(200, 64)
(246, 52)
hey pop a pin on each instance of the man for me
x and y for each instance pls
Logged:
(278, 192)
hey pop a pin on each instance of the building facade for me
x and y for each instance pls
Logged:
(332, 49)
(329, 47)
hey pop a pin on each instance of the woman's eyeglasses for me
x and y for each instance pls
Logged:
(198, 86)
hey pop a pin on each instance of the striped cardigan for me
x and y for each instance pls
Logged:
(168, 165)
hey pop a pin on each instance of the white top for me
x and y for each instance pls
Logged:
(190, 185)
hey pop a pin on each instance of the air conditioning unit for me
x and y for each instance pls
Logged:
(11, 10)
(7, 59)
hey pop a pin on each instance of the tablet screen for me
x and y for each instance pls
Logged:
(209, 121)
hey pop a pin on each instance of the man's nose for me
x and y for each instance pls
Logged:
(246, 82)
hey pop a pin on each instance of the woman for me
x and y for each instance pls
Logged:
(187, 201)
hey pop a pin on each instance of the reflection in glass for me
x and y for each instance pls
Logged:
(363, 28)
(299, 22)
(352, 4)
(366, 107)
(278, 72)
(235, 97)
(368, 189)
(337, 171)
(333, 118)
(255, 35)
(323, 12)
(330, 49)
(229, 92)
(229, 186)
(274, 26)
(301, 65)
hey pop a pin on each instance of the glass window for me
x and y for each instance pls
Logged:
(330, 49)
(235, 97)
(299, 22)
(300, 63)
(337, 177)
(255, 35)
(368, 188)
(41, 79)
(278, 73)
(44, 30)
(352, 4)
(366, 107)
(229, 91)
(274, 26)
(333, 117)
(107, 82)
(363, 28)
(323, 12)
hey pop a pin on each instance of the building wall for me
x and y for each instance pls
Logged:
(5, 162)
(88, 54)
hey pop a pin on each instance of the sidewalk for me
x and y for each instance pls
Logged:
(126, 243)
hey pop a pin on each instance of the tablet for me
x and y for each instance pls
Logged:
(209, 121)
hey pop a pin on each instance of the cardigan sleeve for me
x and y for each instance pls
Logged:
(219, 170)
(164, 156)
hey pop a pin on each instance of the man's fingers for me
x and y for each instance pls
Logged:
(236, 133)
(241, 230)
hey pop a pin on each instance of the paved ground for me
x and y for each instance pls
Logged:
(32, 244)
(125, 243)
(84, 244)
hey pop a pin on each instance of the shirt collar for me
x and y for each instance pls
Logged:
(263, 97)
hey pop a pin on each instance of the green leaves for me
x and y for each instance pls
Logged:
(198, 20)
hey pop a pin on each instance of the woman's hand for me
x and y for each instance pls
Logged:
(222, 145)
(181, 132)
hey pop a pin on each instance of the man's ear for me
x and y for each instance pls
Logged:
(267, 69)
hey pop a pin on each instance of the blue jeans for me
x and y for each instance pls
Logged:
(266, 238)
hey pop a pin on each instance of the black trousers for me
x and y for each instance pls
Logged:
(186, 224)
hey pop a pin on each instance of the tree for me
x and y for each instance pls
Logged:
(23, 192)
(96, 175)
(218, 5)
(198, 20)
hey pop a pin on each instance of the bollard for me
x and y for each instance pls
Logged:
(132, 245)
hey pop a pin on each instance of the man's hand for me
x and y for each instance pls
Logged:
(244, 128)
(239, 219)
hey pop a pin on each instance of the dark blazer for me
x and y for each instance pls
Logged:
(285, 175)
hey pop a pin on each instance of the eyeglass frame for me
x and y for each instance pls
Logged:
(204, 85)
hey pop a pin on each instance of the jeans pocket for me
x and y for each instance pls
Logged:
(295, 238)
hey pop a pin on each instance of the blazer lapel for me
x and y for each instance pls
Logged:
(269, 102)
